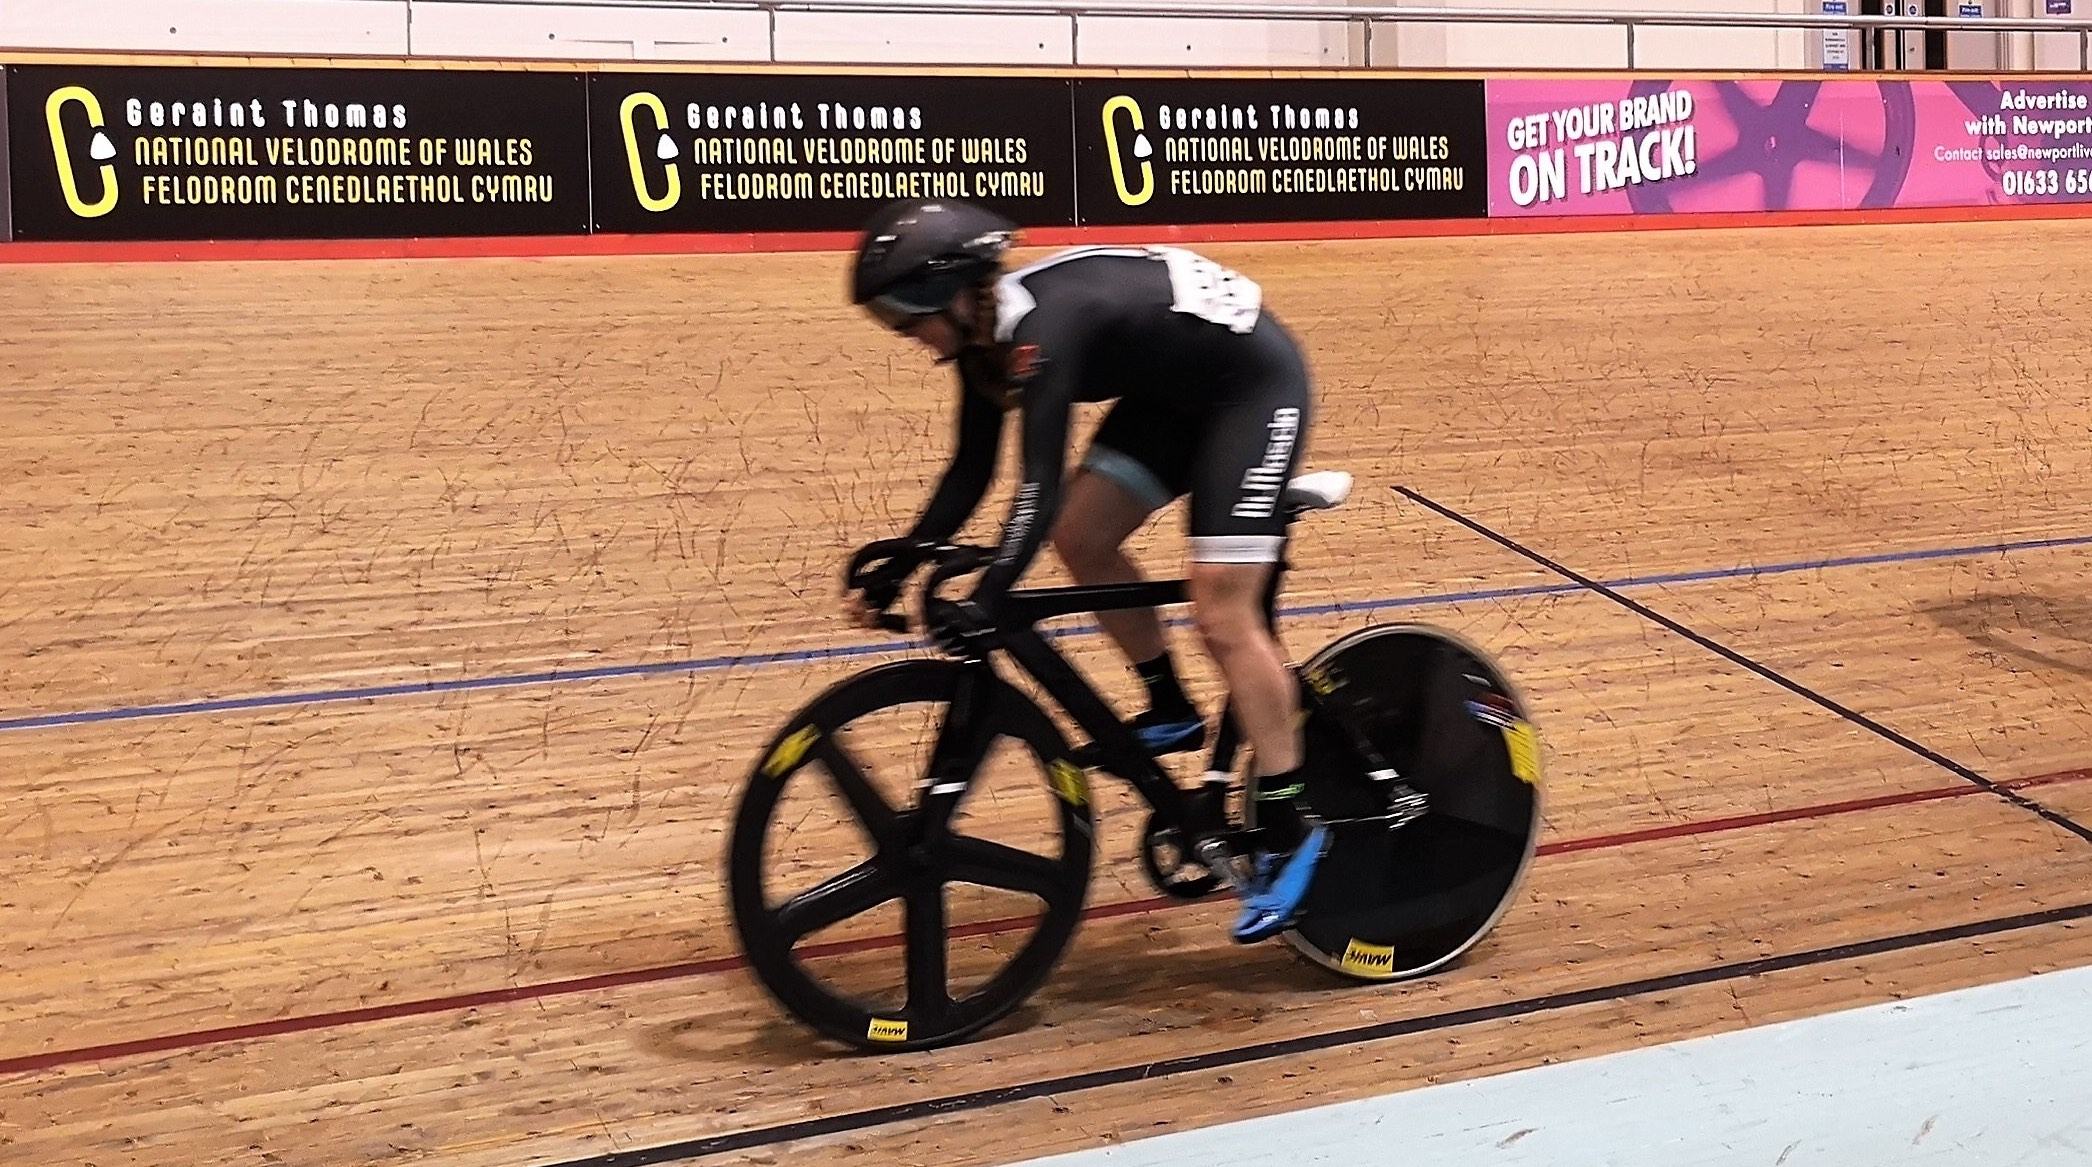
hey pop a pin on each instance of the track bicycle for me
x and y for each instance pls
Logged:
(1420, 759)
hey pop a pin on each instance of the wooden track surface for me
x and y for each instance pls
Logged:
(392, 893)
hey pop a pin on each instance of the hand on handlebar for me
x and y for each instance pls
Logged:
(961, 628)
(964, 629)
(863, 612)
(878, 572)
(874, 579)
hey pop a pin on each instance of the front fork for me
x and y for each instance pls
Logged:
(962, 742)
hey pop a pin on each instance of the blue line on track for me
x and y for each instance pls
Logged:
(808, 656)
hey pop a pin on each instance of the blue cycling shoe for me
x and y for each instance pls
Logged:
(1277, 885)
(1170, 733)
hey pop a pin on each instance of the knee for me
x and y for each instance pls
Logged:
(1227, 605)
(1083, 547)
(1227, 628)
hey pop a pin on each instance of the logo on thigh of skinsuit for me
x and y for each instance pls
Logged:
(1261, 483)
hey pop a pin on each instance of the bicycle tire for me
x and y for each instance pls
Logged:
(1393, 903)
(904, 866)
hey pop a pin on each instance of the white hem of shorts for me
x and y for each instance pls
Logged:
(1236, 548)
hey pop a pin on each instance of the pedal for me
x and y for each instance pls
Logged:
(1171, 867)
(1174, 867)
(1221, 862)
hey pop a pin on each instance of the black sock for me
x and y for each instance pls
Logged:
(1276, 814)
(1165, 694)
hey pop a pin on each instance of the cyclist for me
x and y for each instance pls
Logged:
(1210, 398)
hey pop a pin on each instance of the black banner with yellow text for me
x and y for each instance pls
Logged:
(692, 152)
(335, 152)
(1199, 151)
(7, 185)
(237, 153)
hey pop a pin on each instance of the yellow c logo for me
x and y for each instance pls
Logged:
(1118, 163)
(675, 179)
(61, 151)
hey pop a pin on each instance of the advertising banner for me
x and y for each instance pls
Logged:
(691, 152)
(200, 153)
(1198, 151)
(175, 153)
(1616, 147)
(7, 222)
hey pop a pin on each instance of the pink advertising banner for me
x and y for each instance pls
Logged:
(1649, 146)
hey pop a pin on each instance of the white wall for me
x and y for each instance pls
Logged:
(572, 32)
(374, 27)
(1476, 46)
(607, 32)
(585, 32)
(1216, 42)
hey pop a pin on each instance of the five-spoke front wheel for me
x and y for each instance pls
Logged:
(970, 867)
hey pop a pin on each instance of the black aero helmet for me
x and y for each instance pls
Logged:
(915, 256)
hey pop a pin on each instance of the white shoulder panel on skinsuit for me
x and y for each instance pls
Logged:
(1202, 288)
(1198, 287)
(1014, 302)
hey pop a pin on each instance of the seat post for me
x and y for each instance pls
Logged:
(1316, 491)
(1279, 568)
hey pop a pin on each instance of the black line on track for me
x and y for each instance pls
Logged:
(1854, 716)
(860, 1120)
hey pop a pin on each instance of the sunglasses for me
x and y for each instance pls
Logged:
(906, 303)
(896, 314)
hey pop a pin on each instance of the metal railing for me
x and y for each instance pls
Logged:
(1365, 17)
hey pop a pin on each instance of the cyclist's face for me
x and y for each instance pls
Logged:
(936, 333)
(942, 334)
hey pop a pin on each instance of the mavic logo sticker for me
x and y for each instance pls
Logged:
(790, 752)
(1069, 783)
(1524, 747)
(1368, 960)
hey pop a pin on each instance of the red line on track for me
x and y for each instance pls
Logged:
(553, 246)
(304, 1024)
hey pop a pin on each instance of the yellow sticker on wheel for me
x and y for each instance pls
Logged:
(1069, 782)
(1368, 960)
(1524, 746)
(790, 752)
(1322, 679)
(883, 1030)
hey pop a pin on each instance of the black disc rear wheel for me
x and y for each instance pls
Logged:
(1400, 901)
(945, 905)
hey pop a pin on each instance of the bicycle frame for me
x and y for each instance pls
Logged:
(1117, 750)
